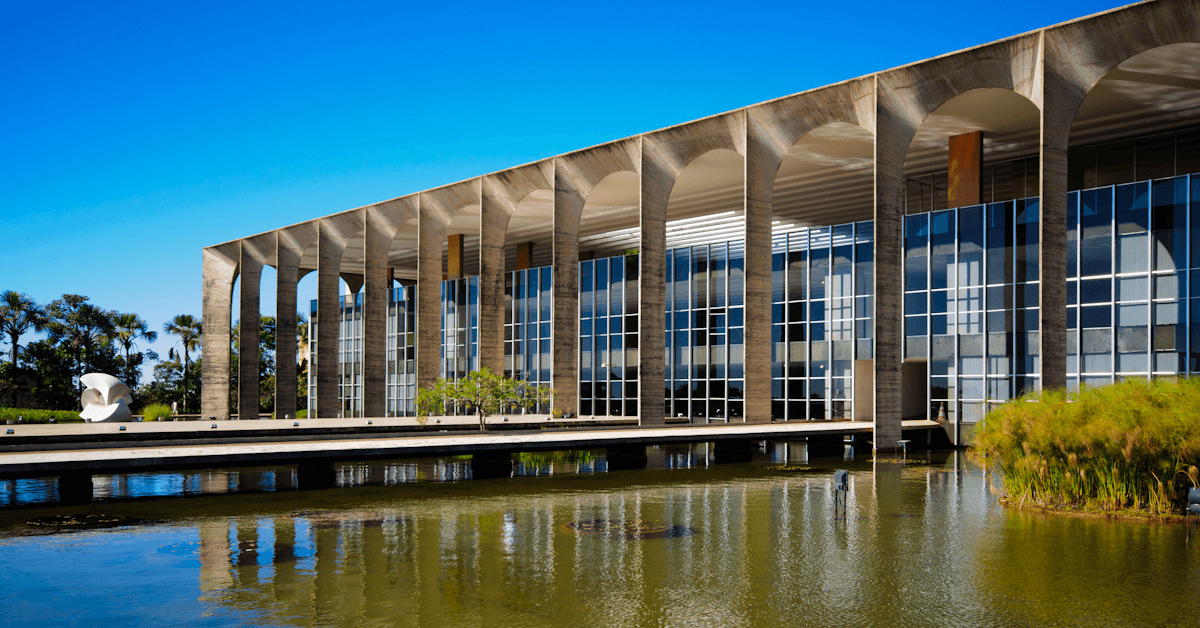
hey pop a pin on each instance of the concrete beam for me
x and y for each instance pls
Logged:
(253, 251)
(380, 224)
(333, 234)
(220, 270)
(289, 247)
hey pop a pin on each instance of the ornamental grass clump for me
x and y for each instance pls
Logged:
(1130, 446)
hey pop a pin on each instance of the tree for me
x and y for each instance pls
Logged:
(189, 331)
(128, 328)
(19, 313)
(483, 392)
(82, 328)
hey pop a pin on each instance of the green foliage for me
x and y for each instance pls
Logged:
(481, 392)
(302, 414)
(1133, 445)
(156, 411)
(30, 415)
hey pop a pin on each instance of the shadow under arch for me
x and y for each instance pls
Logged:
(821, 305)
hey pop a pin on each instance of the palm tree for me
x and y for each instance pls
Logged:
(19, 313)
(81, 326)
(188, 328)
(129, 328)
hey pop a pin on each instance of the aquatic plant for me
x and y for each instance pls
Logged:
(1129, 446)
(156, 412)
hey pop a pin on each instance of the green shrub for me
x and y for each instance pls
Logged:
(1133, 445)
(302, 414)
(156, 411)
(39, 416)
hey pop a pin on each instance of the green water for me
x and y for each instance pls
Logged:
(923, 544)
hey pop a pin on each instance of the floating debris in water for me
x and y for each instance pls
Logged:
(628, 529)
(82, 521)
(791, 468)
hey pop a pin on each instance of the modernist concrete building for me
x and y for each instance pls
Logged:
(917, 242)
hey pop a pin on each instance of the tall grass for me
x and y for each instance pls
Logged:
(1133, 445)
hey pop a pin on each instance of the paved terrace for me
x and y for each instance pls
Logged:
(96, 448)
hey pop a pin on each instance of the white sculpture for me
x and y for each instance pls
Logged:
(106, 399)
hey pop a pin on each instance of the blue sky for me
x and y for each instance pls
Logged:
(133, 134)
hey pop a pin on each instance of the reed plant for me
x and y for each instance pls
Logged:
(1130, 446)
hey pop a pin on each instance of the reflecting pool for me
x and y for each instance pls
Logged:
(568, 542)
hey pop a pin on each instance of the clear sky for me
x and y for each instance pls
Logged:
(133, 134)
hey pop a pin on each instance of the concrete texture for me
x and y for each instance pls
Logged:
(220, 269)
(134, 458)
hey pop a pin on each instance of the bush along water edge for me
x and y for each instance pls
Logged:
(1131, 446)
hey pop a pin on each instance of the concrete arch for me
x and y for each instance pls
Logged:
(220, 270)
(825, 177)
(1079, 54)
(665, 156)
(290, 244)
(501, 195)
(575, 178)
(773, 128)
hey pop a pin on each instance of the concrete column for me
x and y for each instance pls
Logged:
(250, 268)
(1058, 111)
(494, 214)
(329, 262)
(431, 234)
(377, 239)
(762, 163)
(287, 267)
(220, 269)
(892, 136)
(568, 206)
(656, 182)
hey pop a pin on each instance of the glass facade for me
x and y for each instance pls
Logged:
(608, 336)
(971, 304)
(705, 334)
(1131, 248)
(460, 327)
(821, 284)
(402, 352)
(527, 305)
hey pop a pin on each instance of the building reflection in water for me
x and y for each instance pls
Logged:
(378, 473)
(758, 547)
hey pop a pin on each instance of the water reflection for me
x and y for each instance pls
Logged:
(925, 543)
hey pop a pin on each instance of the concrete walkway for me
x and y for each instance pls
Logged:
(118, 458)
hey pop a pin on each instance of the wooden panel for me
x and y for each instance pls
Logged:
(524, 255)
(454, 256)
(966, 169)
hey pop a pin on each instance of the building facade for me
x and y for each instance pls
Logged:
(919, 242)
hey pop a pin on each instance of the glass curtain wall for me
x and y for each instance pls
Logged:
(705, 347)
(460, 327)
(527, 304)
(608, 336)
(821, 284)
(970, 304)
(1130, 248)
(349, 356)
(402, 352)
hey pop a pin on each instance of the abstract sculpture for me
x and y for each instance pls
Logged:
(106, 399)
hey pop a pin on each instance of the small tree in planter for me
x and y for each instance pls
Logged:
(482, 391)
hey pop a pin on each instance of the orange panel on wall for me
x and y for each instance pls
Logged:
(524, 255)
(966, 169)
(454, 256)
